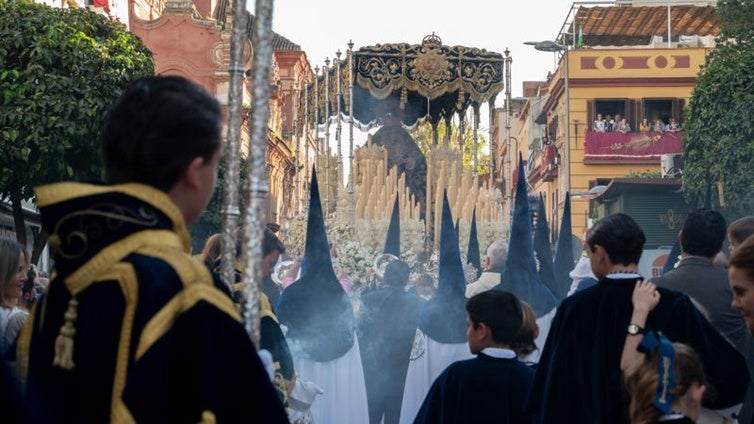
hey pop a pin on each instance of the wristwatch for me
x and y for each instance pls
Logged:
(634, 329)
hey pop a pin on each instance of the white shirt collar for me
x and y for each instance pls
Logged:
(623, 275)
(497, 352)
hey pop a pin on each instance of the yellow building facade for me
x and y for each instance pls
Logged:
(654, 83)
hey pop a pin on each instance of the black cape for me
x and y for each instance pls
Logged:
(478, 390)
(386, 327)
(271, 337)
(578, 378)
(154, 340)
(270, 289)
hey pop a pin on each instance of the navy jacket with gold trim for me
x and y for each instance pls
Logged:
(132, 328)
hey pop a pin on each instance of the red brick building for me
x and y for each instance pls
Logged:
(192, 39)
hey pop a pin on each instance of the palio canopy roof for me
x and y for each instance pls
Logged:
(411, 81)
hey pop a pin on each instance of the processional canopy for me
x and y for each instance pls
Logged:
(410, 81)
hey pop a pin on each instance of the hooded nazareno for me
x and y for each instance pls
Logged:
(315, 308)
(520, 274)
(444, 316)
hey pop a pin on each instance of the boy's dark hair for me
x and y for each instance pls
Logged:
(741, 229)
(498, 310)
(156, 128)
(396, 273)
(703, 233)
(271, 243)
(620, 236)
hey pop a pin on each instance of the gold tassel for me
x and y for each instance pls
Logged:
(64, 342)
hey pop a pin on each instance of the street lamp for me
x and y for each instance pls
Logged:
(552, 46)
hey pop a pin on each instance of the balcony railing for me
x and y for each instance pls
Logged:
(544, 165)
(630, 148)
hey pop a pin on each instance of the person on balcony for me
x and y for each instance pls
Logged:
(623, 127)
(673, 126)
(599, 124)
(658, 126)
(645, 126)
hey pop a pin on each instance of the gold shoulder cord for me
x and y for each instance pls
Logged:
(64, 342)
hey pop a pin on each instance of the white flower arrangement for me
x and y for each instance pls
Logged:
(358, 246)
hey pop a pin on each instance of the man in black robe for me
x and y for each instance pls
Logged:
(132, 328)
(271, 337)
(322, 327)
(578, 379)
(491, 387)
(386, 327)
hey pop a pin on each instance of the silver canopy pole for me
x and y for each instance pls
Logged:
(296, 137)
(338, 124)
(257, 181)
(305, 184)
(352, 177)
(326, 70)
(230, 209)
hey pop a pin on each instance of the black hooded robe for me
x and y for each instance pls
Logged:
(578, 379)
(386, 327)
(484, 389)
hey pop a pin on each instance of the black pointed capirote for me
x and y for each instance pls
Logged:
(444, 316)
(393, 238)
(564, 261)
(315, 308)
(520, 274)
(472, 252)
(543, 249)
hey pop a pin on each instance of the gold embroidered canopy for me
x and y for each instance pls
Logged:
(430, 69)
(413, 81)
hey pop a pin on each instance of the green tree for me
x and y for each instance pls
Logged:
(719, 142)
(59, 70)
(422, 134)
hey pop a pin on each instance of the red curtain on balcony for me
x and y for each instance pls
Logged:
(640, 148)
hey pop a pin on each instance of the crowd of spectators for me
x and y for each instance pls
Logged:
(619, 124)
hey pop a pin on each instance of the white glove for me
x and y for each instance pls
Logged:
(269, 364)
(303, 394)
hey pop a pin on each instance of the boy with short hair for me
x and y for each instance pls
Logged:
(132, 328)
(492, 387)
